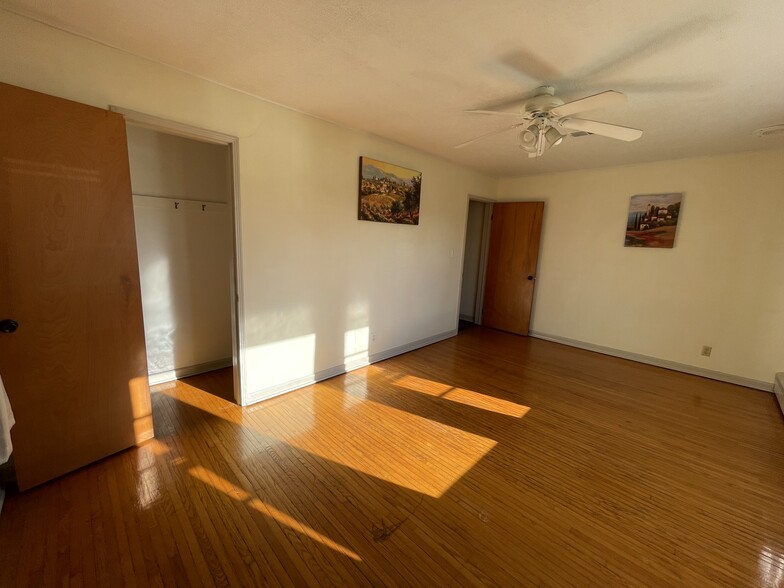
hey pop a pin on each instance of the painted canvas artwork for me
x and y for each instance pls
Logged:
(653, 220)
(388, 193)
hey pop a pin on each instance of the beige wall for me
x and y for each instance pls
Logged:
(175, 167)
(721, 285)
(317, 283)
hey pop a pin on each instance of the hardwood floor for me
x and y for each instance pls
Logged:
(486, 459)
(220, 383)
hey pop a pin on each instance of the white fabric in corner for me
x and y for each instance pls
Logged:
(6, 422)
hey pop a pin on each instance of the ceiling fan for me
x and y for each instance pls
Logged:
(546, 119)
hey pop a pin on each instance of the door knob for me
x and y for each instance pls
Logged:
(8, 326)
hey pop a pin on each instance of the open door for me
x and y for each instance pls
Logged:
(75, 367)
(513, 252)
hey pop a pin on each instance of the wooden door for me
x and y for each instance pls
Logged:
(75, 369)
(512, 256)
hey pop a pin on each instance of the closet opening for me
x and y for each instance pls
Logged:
(185, 211)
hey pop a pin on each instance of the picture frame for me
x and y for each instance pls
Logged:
(388, 193)
(653, 220)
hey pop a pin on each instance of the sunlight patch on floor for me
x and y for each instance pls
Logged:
(222, 485)
(370, 437)
(388, 443)
(462, 396)
(156, 446)
(148, 482)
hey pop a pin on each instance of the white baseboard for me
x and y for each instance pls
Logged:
(467, 317)
(400, 350)
(670, 365)
(191, 370)
(778, 389)
(325, 374)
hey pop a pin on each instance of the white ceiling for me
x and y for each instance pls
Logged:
(700, 75)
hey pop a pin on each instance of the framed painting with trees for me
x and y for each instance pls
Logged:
(653, 220)
(388, 193)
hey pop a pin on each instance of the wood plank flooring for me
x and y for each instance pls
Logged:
(218, 382)
(487, 459)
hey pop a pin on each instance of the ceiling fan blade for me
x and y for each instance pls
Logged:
(657, 86)
(517, 114)
(486, 135)
(600, 128)
(626, 56)
(532, 66)
(601, 100)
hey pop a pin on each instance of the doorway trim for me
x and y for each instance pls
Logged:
(237, 311)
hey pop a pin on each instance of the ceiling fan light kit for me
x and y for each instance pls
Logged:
(553, 137)
(528, 139)
(546, 119)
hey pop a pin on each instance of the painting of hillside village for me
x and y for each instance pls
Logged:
(652, 220)
(388, 193)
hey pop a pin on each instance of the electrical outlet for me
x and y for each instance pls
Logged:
(706, 350)
(373, 336)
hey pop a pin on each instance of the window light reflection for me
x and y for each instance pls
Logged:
(355, 348)
(771, 567)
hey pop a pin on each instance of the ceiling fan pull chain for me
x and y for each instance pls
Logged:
(540, 142)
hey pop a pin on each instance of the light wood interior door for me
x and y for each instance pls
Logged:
(512, 256)
(75, 369)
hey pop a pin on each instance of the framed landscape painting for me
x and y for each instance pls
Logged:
(388, 193)
(653, 220)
